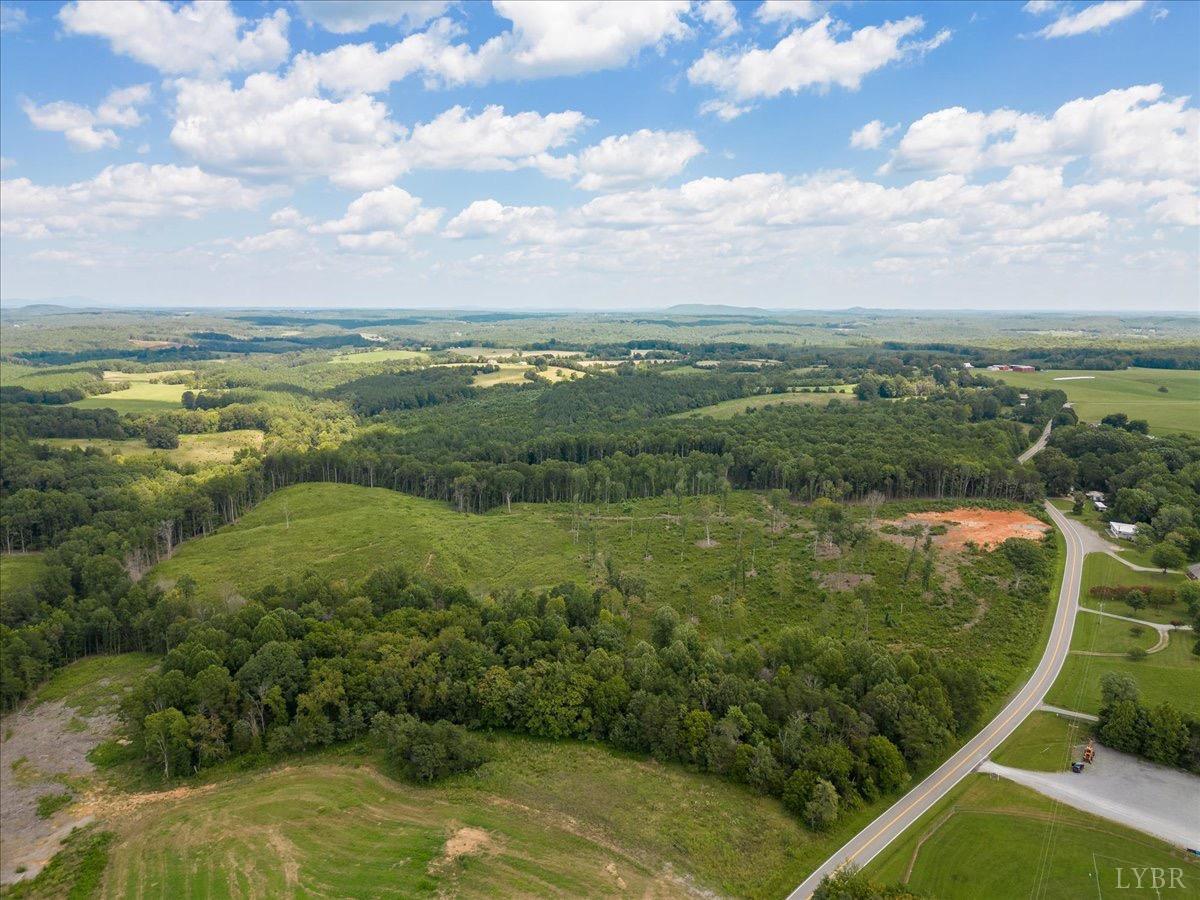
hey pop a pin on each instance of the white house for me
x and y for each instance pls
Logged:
(1095, 495)
(1122, 530)
(1101, 506)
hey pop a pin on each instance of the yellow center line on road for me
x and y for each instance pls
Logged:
(1074, 543)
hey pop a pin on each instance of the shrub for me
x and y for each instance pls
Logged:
(428, 752)
(159, 437)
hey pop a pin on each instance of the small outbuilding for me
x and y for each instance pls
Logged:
(1125, 531)
(1193, 571)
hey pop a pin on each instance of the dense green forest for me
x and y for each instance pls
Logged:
(823, 723)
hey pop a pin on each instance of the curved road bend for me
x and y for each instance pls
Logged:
(865, 845)
(1037, 446)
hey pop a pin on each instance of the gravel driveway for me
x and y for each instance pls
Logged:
(1159, 801)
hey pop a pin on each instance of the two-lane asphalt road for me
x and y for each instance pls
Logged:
(1037, 446)
(865, 845)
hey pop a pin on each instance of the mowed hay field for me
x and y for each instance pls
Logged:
(194, 449)
(540, 819)
(992, 838)
(374, 356)
(727, 409)
(141, 396)
(1135, 392)
(344, 531)
(514, 373)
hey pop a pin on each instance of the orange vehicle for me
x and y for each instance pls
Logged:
(1089, 753)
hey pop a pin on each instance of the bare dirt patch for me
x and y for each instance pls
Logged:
(986, 528)
(44, 748)
(827, 550)
(842, 581)
(467, 841)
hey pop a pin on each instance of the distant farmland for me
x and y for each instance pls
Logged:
(1135, 392)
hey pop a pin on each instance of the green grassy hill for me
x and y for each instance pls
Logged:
(541, 819)
(343, 531)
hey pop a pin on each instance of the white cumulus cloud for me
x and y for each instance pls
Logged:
(811, 57)
(1134, 131)
(627, 160)
(120, 197)
(84, 128)
(1091, 18)
(206, 37)
(786, 11)
(871, 135)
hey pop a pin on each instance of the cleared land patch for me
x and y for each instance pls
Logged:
(197, 449)
(982, 527)
(762, 573)
(1135, 392)
(45, 750)
(374, 356)
(727, 409)
(992, 838)
(139, 397)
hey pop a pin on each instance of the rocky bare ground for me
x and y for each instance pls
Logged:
(43, 751)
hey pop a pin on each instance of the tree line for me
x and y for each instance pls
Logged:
(824, 724)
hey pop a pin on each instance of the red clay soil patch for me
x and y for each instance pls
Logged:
(988, 528)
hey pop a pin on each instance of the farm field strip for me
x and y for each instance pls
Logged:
(1135, 392)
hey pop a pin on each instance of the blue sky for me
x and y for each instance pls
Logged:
(593, 155)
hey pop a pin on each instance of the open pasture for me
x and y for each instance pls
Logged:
(727, 409)
(375, 356)
(139, 397)
(144, 377)
(514, 373)
(1135, 392)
